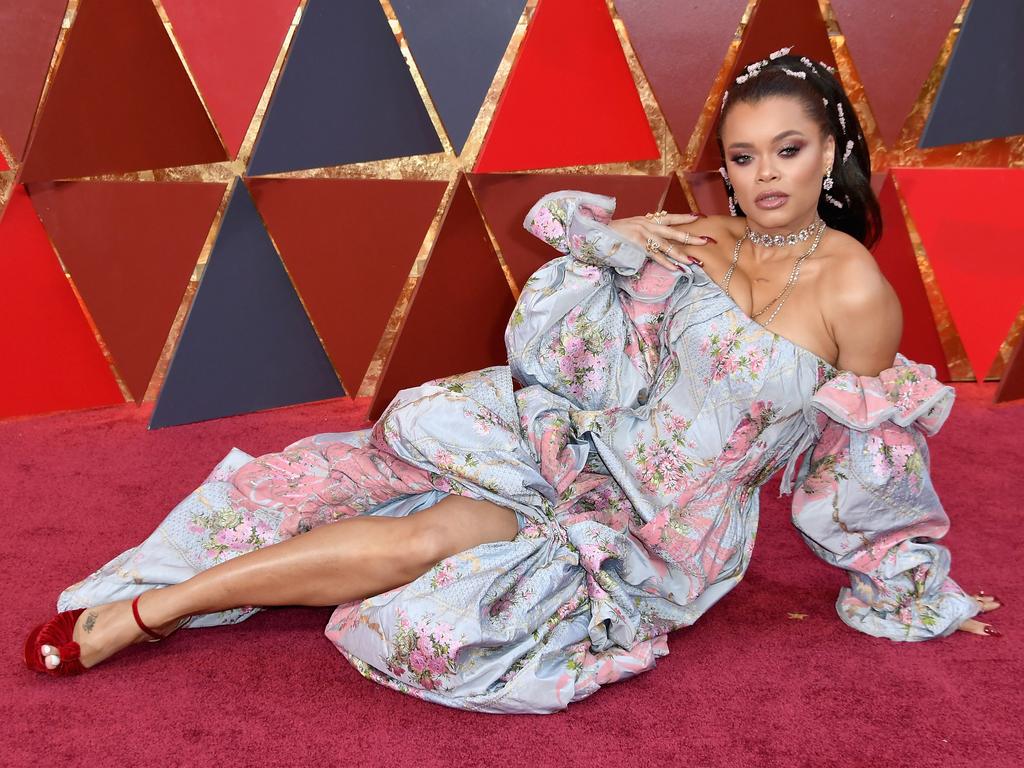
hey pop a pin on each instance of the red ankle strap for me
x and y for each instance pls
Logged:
(138, 620)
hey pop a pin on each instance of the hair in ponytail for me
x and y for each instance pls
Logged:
(850, 205)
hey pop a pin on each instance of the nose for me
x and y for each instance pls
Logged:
(766, 171)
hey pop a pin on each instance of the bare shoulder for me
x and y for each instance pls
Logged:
(860, 307)
(850, 275)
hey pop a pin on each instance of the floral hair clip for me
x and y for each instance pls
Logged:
(801, 75)
(849, 149)
(809, 64)
(753, 70)
(842, 118)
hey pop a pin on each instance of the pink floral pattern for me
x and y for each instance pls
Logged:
(632, 456)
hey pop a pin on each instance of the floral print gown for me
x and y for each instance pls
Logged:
(650, 410)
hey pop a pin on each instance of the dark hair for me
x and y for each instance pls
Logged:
(813, 83)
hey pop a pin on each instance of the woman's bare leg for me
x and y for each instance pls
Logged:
(329, 565)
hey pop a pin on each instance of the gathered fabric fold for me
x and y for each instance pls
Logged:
(906, 393)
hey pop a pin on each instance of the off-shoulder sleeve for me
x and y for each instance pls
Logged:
(569, 331)
(865, 502)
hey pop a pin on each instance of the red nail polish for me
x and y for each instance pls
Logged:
(700, 215)
(990, 630)
(710, 239)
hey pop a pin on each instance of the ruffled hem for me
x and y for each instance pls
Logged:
(907, 393)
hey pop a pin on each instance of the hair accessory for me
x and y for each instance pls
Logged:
(834, 202)
(732, 206)
(724, 97)
(824, 101)
(754, 69)
(725, 174)
(809, 64)
(801, 75)
(849, 149)
(831, 70)
(842, 118)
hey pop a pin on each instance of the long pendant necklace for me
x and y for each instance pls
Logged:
(784, 293)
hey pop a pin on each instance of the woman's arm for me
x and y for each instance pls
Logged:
(569, 330)
(866, 503)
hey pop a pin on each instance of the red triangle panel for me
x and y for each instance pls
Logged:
(898, 262)
(570, 98)
(231, 47)
(28, 34)
(349, 245)
(977, 257)
(130, 248)
(456, 320)
(774, 24)
(677, 46)
(47, 349)
(120, 100)
(893, 58)
(505, 198)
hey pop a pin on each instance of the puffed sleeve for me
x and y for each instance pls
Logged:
(865, 502)
(569, 331)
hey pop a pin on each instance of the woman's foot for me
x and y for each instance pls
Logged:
(106, 629)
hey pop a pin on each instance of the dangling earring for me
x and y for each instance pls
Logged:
(728, 187)
(828, 182)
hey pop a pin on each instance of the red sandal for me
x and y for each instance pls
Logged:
(59, 631)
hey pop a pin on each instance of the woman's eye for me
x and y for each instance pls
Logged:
(740, 159)
(792, 150)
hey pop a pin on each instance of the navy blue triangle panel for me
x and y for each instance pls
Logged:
(980, 96)
(247, 343)
(457, 46)
(345, 95)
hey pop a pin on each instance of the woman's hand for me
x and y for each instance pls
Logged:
(988, 603)
(674, 243)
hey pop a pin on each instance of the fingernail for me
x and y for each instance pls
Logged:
(710, 239)
(700, 215)
(990, 630)
(698, 262)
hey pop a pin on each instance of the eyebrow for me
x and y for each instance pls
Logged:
(743, 144)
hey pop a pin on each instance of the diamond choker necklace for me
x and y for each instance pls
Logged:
(771, 241)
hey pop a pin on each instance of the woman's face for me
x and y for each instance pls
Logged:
(773, 147)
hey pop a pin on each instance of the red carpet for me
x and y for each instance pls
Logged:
(746, 686)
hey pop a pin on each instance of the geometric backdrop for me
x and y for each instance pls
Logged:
(188, 179)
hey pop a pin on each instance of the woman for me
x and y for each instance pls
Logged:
(511, 550)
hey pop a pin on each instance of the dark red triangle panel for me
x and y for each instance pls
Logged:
(774, 24)
(1011, 385)
(709, 192)
(675, 197)
(231, 47)
(679, 43)
(977, 257)
(120, 100)
(28, 34)
(349, 245)
(893, 58)
(50, 357)
(898, 262)
(505, 199)
(458, 313)
(570, 97)
(130, 248)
